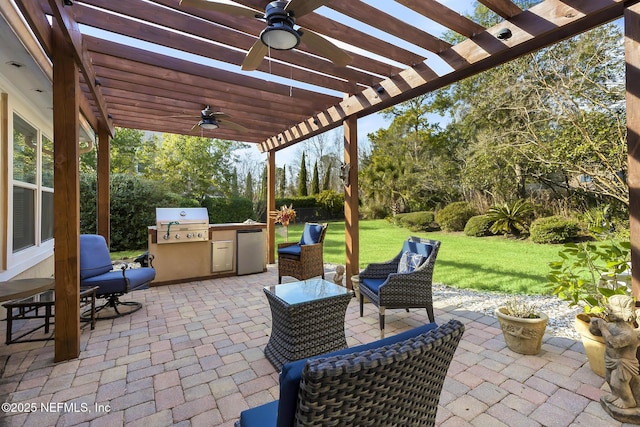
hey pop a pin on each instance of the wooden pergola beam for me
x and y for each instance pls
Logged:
(38, 23)
(540, 26)
(632, 57)
(73, 36)
(390, 24)
(66, 197)
(444, 16)
(336, 30)
(227, 38)
(505, 8)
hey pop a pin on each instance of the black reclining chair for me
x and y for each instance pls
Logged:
(96, 269)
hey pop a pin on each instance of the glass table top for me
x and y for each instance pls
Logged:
(306, 290)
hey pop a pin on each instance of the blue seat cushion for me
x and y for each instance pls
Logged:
(260, 416)
(292, 373)
(293, 250)
(373, 284)
(113, 281)
(94, 256)
(311, 234)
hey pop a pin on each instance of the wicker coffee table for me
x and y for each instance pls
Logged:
(307, 319)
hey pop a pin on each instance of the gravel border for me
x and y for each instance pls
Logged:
(561, 316)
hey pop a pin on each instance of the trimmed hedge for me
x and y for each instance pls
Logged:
(553, 229)
(222, 210)
(454, 216)
(417, 221)
(478, 226)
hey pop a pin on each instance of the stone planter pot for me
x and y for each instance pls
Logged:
(593, 345)
(521, 335)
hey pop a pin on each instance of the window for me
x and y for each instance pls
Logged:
(32, 205)
(46, 191)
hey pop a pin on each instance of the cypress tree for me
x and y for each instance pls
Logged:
(326, 182)
(315, 181)
(248, 188)
(302, 178)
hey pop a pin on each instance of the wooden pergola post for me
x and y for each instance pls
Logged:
(351, 211)
(66, 197)
(104, 194)
(632, 56)
(271, 206)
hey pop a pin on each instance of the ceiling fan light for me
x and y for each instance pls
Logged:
(208, 123)
(280, 36)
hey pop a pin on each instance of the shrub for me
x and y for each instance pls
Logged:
(478, 226)
(554, 229)
(510, 218)
(133, 208)
(417, 221)
(454, 216)
(222, 209)
(332, 202)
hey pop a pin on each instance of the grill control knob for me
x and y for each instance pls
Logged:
(165, 236)
(199, 234)
(189, 235)
(177, 236)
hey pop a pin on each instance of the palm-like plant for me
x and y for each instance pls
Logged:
(510, 218)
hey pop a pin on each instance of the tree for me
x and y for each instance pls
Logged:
(248, 186)
(124, 148)
(235, 192)
(194, 166)
(282, 181)
(315, 181)
(407, 162)
(326, 181)
(302, 178)
(545, 120)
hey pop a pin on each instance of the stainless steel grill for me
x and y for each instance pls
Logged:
(181, 225)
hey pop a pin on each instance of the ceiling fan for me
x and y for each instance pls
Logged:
(210, 120)
(279, 33)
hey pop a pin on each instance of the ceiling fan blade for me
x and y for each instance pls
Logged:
(182, 116)
(234, 126)
(254, 56)
(324, 47)
(194, 126)
(215, 6)
(302, 7)
(219, 115)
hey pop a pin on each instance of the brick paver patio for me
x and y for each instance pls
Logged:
(193, 356)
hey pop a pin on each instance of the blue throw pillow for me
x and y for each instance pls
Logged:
(409, 262)
(311, 234)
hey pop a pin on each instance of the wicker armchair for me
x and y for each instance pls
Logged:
(395, 381)
(303, 260)
(386, 288)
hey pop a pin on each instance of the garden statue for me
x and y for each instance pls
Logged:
(622, 368)
(337, 278)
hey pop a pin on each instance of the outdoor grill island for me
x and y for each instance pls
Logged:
(186, 247)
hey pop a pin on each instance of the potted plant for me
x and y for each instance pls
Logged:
(285, 216)
(587, 274)
(522, 325)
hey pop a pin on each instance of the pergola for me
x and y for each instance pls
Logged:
(98, 74)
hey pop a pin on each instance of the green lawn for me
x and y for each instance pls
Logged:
(488, 263)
